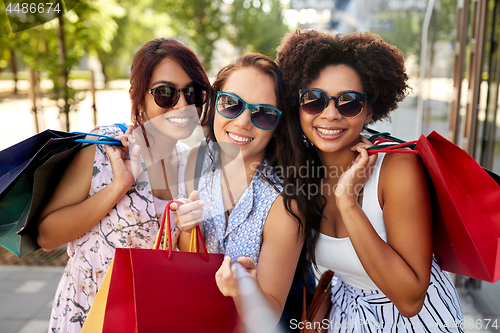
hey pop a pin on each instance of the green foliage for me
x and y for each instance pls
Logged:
(256, 28)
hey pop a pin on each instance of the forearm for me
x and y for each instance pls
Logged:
(70, 222)
(184, 241)
(386, 267)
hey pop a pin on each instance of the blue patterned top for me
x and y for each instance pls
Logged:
(243, 236)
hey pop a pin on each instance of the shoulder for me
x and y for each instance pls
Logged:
(280, 217)
(401, 165)
(402, 175)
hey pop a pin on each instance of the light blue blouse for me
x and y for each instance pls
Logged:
(243, 236)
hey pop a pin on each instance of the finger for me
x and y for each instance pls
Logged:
(194, 195)
(189, 206)
(135, 160)
(247, 262)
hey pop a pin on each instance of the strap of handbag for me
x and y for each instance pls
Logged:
(168, 233)
(324, 285)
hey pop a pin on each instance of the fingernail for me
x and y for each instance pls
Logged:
(227, 257)
(202, 203)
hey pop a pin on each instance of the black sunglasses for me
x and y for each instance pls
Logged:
(349, 103)
(167, 96)
(262, 116)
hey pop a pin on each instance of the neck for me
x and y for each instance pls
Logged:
(233, 167)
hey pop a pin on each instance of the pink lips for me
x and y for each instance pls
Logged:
(329, 136)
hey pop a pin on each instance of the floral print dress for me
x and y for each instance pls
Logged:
(132, 223)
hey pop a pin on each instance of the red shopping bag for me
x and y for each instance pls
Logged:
(466, 207)
(467, 214)
(164, 291)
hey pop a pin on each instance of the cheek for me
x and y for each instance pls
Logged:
(219, 124)
(306, 123)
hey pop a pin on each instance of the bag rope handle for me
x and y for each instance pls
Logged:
(168, 232)
(383, 143)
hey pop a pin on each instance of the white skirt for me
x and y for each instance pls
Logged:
(370, 311)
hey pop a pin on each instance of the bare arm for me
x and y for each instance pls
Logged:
(70, 212)
(400, 267)
(278, 260)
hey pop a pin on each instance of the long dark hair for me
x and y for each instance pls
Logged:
(148, 57)
(301, 57)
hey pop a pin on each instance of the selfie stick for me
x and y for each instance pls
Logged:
(255, 306)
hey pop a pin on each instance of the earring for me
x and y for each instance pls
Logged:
(306, 141)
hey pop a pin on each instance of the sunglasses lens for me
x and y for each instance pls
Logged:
(264, 118)
(195, 94)
(229, 106)
(165, 96)
(350, 104)
(313, 101)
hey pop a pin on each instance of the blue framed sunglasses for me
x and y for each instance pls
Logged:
(231, 106)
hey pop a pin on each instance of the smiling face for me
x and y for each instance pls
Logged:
(330, 131)
(179, 121)
(254, 87)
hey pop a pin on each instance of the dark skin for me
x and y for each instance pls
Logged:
(401, 266)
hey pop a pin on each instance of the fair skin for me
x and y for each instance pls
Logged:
(281, 247)
(401, 266)
(70, 212)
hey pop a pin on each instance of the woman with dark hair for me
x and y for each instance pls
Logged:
(368, 217)
(244, 216)
(102, 201)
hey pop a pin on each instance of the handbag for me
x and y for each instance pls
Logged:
(29, 173)
(319, 309)
(466, 213)
(152, 290)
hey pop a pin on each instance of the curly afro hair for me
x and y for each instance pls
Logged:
(303, 54)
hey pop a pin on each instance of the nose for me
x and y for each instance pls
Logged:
(331, 112)
(244, 120)
(182, 102)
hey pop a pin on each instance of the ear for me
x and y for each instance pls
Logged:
(369, 115)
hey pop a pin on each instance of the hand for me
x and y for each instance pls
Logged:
(226, 277)
(189, 215)
(124, 171)
(352, 181)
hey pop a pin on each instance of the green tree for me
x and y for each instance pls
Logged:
(256, 26)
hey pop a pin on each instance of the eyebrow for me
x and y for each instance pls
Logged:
(167, 83)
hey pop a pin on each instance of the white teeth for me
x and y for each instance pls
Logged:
(178, 120)
(239, 138)
(329, 132)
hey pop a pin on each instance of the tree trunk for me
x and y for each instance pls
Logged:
(63, 76)
(13, 67)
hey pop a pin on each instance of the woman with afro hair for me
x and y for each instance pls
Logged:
(368, 218)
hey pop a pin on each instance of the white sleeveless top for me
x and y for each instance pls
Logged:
(339, 255)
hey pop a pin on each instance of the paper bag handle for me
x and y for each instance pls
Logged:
(166, 217)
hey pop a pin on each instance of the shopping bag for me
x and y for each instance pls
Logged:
(155, 290)
(466, 209)
(95, 318)
(29, 173)
(467, 214)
